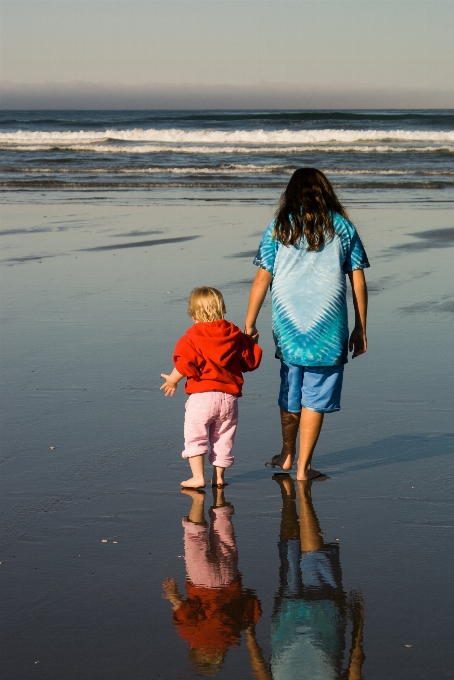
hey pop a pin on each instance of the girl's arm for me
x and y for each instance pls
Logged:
(358, 338)
(257, 295)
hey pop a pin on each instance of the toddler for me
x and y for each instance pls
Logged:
(212, 356)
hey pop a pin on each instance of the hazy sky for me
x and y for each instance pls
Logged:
(298, 45)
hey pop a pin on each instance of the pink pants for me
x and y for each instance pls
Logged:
(211, 554)
(211, 417)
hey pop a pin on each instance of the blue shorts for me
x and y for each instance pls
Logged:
(317, 388)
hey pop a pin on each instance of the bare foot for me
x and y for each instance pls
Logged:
(218, 477)
(309, 474)
(285, 462)
(193, 483)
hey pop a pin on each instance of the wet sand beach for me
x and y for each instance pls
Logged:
(95, 290)
(108, 220)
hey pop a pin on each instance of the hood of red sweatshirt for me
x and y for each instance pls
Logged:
(217, 339)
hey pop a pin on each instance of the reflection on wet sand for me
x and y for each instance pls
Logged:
(311, 610)
(217, 608)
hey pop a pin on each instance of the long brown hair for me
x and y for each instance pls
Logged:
(305, 210)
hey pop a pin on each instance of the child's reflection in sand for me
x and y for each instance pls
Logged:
(217, 607)
(311, 610)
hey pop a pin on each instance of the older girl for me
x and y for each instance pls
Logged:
(304, 256)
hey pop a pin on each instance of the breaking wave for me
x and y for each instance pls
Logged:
(232, 169)
(150, 149)
(257, 137)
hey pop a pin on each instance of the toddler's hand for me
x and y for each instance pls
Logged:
(169, 387)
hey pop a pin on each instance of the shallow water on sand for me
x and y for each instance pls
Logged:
(94, 298)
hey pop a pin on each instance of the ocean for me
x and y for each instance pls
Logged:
(108, 220)
(240, 150)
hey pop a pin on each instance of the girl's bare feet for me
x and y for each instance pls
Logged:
(309, 474)
(311, 424)
(284, 461)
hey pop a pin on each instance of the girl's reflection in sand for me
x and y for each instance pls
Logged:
(311, 609)
(217, 607)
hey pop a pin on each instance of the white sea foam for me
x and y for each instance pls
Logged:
(255, 137)
(233, 169)
(152, 148)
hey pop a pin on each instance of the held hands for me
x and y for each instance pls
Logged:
(252, 332)
(358, 342)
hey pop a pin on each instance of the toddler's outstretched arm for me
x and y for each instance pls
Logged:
(358, 338)
(171, 382)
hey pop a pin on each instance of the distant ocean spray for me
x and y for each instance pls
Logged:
(224, 149)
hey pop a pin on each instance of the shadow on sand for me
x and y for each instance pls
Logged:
(396, 449)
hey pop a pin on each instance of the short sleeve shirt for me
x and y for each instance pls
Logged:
(308, 292)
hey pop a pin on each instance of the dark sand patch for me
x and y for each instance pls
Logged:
(26, 258)
(234, 285)
(14, 232)
(141, 244)
(430, 306)
(231, 286)
(244, 253)
(389, 282)
(136, 233)
(433, 238)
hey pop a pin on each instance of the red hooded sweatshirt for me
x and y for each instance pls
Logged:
(213, 355)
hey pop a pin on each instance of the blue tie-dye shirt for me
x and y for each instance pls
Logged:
(308, 291)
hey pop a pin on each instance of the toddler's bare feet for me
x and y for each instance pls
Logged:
(218, 477)
(308, 474)
(284, 461)
(193, 483)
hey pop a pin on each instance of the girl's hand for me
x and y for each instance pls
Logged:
(358, 342)
(169, 387)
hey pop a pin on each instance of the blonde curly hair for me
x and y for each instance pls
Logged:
(206, 304)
